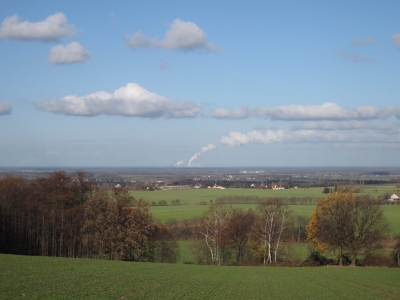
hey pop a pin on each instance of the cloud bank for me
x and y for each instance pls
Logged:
(181, 35)
(326, 111)
(204, 149)
(308, 136)
(5, 109)
(341, 125)
(130, 100)
(51, 29)
(69, 54)
(223, 113)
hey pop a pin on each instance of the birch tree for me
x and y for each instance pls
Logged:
(213, 227)
(267, 232)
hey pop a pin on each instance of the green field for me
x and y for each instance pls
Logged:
(23, 277)
(193, 196)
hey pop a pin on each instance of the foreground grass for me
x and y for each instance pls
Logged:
(62, 278)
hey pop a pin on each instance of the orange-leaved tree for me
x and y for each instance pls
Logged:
(349, 224)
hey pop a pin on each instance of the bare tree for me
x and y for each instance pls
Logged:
(239, 227)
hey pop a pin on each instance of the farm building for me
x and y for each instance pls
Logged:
(216, 186)
(394, 197)
(176, 187)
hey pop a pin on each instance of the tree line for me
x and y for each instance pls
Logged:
(68, 216)
(226, 235)
(257, 200)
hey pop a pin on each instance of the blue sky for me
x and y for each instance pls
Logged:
(199, 83)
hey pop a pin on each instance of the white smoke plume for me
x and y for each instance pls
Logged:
(203, 150)
(179, 163)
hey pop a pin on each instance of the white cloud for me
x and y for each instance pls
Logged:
(71, 53)
(396, 39)
(326, 111)
(237, 139)
(5, 109)
(130, 100)
(207, 148)
(52, 28)
(204, 149)
(223, 113)
(354, 57)
(181, 35)
(365, 41)
(340, 125)
(309, 137)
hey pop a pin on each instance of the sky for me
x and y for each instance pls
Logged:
(199, 83)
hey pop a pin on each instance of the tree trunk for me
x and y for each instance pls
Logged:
(353, 261)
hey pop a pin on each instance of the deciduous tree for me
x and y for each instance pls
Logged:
(268, 230)
(213, 228)
(346, 223)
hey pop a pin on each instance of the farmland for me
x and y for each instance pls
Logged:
(63, 278)
(196, 195)
(193, 196)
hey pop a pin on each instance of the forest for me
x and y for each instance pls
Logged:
(68, 216)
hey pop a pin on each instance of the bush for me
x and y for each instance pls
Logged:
(316, 259)
(376, 260)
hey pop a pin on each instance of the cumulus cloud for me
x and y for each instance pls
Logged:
(365, 41)
(5, 109)
(326, 111)
(181, 35)
(340, 125)
(396, 39)
(236, 138)
(204, 149)
(223, 113)
(71, 53)
(130, 100)
(354, 57)
(52, 28)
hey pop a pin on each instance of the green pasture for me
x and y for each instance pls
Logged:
(23, 277)
(185, 251)
(193, 196)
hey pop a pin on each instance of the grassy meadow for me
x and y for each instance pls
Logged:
(23, 277)
(193, 196)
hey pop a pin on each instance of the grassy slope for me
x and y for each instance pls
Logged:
(62, 278)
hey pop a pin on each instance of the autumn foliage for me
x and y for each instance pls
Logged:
(67, 216)
(346, 224)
